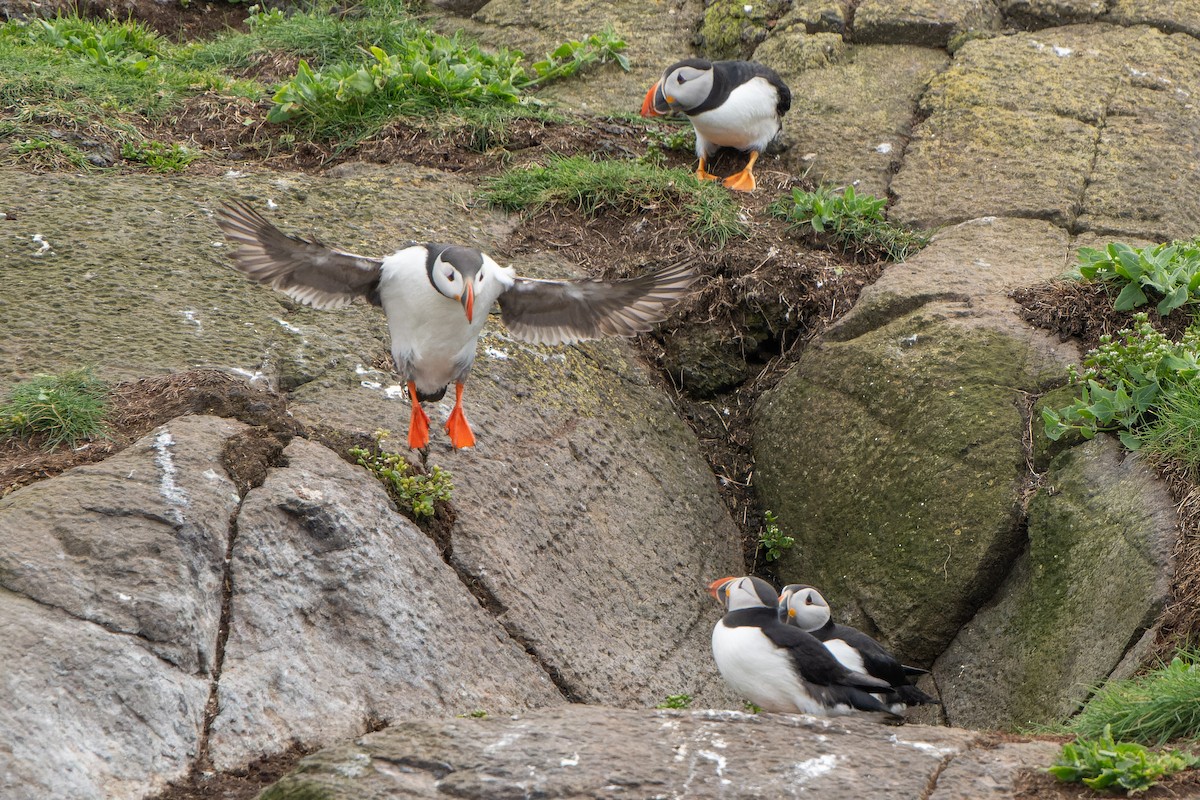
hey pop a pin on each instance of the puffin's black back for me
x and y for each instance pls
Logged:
(728, 75)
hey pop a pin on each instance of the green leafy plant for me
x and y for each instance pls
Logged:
(159, 156)
(411, 490)
(1101, 763)
(1160, 706)
(1169, 271)
(850, 221)
(423, 73)
(126, 45)
(259, 17)
(773, 539)
(1124, 380)
(60, 409)
(590, 185)
(676, 701)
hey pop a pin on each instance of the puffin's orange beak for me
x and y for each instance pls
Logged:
(716, 585)
(468, 300)
(648, 105)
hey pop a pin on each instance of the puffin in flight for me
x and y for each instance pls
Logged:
(779, 667)
(805, 608)
(736, 104)
(436, 299)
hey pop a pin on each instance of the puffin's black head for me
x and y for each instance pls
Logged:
(748, 592)
(685, 84)
(456, 272)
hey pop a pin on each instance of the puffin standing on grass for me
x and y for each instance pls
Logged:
(436, 299)
(804, 607)
(736, 104)
(779, 667)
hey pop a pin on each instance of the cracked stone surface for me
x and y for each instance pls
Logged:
(589, 751)
(929, 23)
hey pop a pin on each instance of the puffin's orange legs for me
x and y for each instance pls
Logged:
(456, 426)
(702, 174)
(418, 424)
(744, 181)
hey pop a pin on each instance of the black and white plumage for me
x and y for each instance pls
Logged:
(805, 608)
(737, 104)
(779, 667)
(436, 299)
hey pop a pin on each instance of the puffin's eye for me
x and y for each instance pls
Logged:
(680, 79)
(808, 601)
(450, 277)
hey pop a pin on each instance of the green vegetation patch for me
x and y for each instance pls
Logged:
(592, 185)
(414, 493)
(1169, 272)
(679, 701)
(57, 409)
(850, 222)
(1101, 763)
(774, 541)
(1161, 706)
(1127, 381)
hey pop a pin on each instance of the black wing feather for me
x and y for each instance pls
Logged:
(303, 269)
(561, 312)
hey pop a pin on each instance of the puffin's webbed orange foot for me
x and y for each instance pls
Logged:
(741, 181)
(418, 424)
(456, 426)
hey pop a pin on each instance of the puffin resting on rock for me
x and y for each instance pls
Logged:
(779, 667)
(736, 104)
(436, 299)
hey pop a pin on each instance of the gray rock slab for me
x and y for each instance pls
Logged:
(88, 713)
(928, 23)
(135, 543)
(852, 109)
(585, 510)
(1033, 14)
(992, 770)
(344, 614)
(1149, 150)
(1170, 15)
(590, 751)
(1033, 125)
(1097, 573)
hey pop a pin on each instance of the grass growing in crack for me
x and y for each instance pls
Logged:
(414, 492)
(1155, 708)
(851, 222)
(57, 409)
(159, 156)
(1101, 763)
(591, 185)
(1174, 434)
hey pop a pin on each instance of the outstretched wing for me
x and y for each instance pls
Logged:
(305, 270)
(561, 312)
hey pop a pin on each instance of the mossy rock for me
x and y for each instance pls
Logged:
(1096, 575)
(896, 461)
(734, 28)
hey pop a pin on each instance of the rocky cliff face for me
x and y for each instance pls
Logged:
(162, 614)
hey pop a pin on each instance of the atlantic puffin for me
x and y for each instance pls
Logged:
(436, 299)
(779, 667)
(737, 104)
(803, 607)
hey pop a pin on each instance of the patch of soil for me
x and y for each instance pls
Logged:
(1040, 785)
(178, 21)
(1084, 311)
(239, 784)
(136, 408)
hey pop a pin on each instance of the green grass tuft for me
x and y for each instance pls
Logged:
(60, 409)
(591, 185)
(1154, 708)
(1174, 435)
(851, 222)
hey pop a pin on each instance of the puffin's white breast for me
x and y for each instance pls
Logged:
(849, 657)
(746, 120)
(759, 671)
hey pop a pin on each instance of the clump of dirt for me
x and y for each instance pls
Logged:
(248, 456)
(239, 784)
(136, 408)
(1084, 310)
